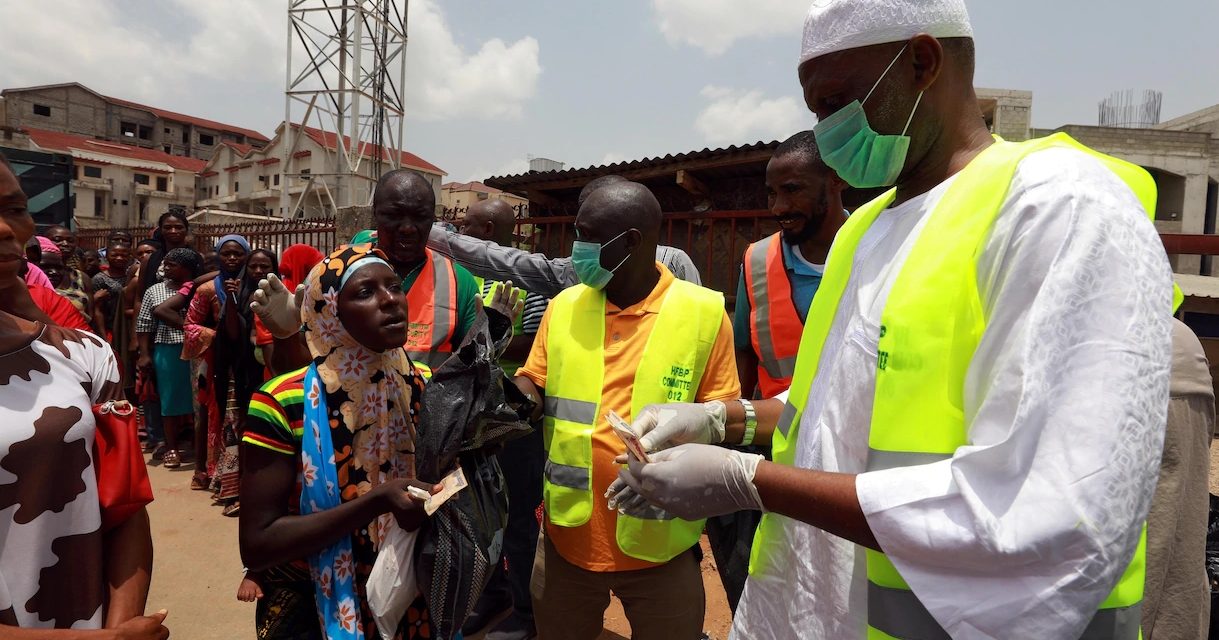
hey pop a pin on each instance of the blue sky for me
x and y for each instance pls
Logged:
(492, 81)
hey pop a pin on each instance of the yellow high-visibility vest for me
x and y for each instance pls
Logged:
(930, 327)
(670, 370)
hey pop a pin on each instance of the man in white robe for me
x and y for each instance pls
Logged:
(1024, 531)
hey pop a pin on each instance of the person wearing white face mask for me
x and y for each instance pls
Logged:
(630, 335)
(971, 440)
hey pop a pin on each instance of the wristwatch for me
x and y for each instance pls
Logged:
(751, 422)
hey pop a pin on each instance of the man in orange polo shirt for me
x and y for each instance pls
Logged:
(658, 337)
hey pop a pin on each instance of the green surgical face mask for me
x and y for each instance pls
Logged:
(586, 258)
(861, 156)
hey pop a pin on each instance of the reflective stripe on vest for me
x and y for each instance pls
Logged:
(930, 327)
(432, 309)
(670, 370)
(774, 324)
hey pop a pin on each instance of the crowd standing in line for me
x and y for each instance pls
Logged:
(961, 410)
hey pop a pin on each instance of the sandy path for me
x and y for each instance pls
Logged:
(197, 569)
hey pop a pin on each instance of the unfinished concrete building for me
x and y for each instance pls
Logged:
(73, 108)
(1182, 155)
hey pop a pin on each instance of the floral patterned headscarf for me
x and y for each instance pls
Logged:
(366, 391)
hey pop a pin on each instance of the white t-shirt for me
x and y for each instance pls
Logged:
(1026, 530)
(51, 565)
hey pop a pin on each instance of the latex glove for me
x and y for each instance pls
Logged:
(509, 301)
(663, 426)
(696, 481)
(277, 307)
(624, 499)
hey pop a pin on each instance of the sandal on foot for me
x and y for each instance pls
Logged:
(232, 510)
(200, 482)
(172, 459)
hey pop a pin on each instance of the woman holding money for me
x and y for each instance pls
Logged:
(328, 457)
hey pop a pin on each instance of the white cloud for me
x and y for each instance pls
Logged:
(613, 157)
(100, 45)
(739, 116)
(444, 82)
(713, 25)
(225, 60)
(509, 168)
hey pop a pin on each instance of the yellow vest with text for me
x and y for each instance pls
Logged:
(930, 327)
(670, 370)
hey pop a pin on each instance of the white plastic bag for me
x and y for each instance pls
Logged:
(391, 585)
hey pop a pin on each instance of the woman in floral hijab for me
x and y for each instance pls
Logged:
(329, 453)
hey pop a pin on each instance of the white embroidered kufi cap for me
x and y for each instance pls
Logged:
(837, 25)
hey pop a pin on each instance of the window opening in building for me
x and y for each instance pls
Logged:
(92, 172)
(275, 182)
(99, 205)
(128, 129)
(168, 149)
(141, 178)
(162, 183)
(206, 140)
(186, 136)
(42, 110)
(145, 133)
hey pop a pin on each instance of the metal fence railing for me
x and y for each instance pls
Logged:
(275, 235)
(714, 240)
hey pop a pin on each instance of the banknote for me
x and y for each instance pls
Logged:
(628, 435)
(450, 485)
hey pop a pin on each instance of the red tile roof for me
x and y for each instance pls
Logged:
(198, 122)
(328, 140)
(65, 142)
(242, 149)
(469, 186)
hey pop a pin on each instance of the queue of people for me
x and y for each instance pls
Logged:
(962, 410)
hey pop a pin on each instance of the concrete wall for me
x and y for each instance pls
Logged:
(1185, 155)
(1205, 120)
(1013, 112)
(82, 112)
(73, 110)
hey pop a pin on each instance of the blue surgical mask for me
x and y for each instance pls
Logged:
(586, 258)
(860, 156)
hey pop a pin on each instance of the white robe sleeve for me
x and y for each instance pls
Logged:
(1027, 529)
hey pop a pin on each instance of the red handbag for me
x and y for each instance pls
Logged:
(122, 478)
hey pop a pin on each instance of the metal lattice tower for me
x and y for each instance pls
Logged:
(345, 77)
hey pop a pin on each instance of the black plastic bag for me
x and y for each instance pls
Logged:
(468, 409)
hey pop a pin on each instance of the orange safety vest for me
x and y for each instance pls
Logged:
(774, 326)
(432, 312)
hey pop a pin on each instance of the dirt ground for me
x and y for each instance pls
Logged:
(197, 568)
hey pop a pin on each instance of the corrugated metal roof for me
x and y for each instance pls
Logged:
(631, 165)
